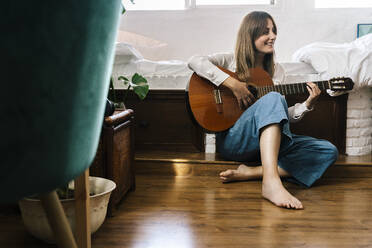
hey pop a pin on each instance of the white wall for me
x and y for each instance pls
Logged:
(205, 30)
(359, 122)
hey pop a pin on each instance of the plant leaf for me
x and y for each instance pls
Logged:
(123, 7)
(124, 79)
(138, 79)
(141, 90)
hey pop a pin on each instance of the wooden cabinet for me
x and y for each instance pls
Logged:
(115, 155)
(326, 121)
(162, 122)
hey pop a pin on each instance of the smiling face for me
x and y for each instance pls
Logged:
(255, 44)
(265, 42)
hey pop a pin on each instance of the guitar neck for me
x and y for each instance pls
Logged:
(291, 89)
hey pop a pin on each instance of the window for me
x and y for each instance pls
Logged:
(343, 4)
(154, 5)
(233, 2)
(184, 4)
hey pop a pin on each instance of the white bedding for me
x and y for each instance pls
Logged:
(174, 74)
(170, 74)
(330, 60)
(299, 72)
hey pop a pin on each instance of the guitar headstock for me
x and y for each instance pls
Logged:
(341, 83)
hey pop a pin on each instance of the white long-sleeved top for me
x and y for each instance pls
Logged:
(206, 67)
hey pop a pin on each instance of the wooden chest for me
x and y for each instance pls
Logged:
(115, 155)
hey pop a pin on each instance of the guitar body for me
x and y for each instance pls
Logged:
(216, 109)
(213, 117)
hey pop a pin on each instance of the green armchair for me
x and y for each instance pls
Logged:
(58, 57)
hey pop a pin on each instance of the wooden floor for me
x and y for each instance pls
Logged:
(182, 205)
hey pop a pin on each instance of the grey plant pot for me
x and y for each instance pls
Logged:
(36, 222)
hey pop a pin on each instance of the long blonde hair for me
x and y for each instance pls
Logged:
(252, 27)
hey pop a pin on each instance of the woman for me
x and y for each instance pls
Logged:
(262, 131)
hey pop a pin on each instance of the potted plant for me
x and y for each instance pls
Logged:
(139, 85)
(36, 222)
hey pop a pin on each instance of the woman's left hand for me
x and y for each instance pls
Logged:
(314, 92)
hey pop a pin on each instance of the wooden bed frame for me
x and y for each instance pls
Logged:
(162, 121)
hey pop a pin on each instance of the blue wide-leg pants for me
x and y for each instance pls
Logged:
(304, 158)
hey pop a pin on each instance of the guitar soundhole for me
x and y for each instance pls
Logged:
(253, 90)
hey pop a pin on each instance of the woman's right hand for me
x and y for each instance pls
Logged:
(244, 97)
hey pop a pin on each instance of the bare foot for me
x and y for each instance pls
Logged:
(274, 191)
(242, 173)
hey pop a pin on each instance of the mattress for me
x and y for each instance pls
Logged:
(174, 74)
(299, 72)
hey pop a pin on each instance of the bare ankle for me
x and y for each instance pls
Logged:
(271, 179)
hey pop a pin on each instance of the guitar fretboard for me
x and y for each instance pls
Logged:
(290, 89)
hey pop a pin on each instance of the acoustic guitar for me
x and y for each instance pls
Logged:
(216, 109)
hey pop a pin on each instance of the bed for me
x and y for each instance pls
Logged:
(175, 131)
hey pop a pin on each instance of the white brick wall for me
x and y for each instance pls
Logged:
(210, 143)
(358, 124)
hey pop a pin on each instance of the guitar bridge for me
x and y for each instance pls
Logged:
(217, 96)
(218, 100)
